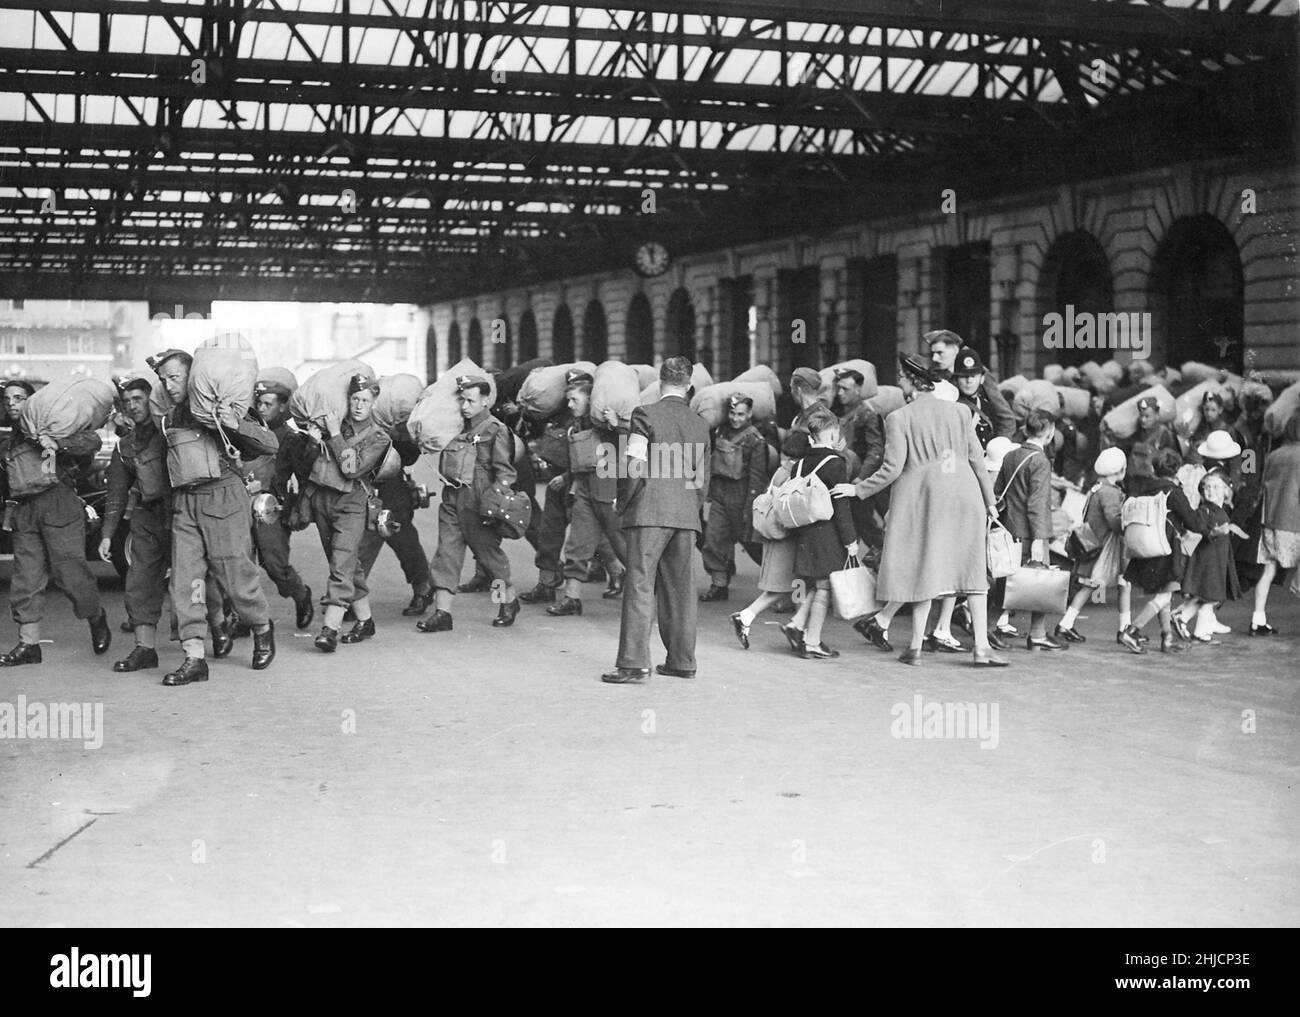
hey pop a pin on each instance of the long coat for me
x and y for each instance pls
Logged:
(934, 536)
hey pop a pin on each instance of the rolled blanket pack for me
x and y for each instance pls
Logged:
(763, 373)
(1075, 401)
(511, 380)
(887, 399)
(435, 419)
(711, 403)
(398, 394)
(646, 374)
(1282, 409)
(542, 393)
(326, 392)
(279, 376)
(224, 372)
(700, 380)
(1035, 395)
(1010, 386)
(1053, 373)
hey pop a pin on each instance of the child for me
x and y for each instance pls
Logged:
(1095, 572)
(1209, 577)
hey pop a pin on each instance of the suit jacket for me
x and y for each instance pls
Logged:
(1026, 496)
(669, 488)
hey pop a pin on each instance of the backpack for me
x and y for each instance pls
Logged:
(764, 521)
(1143, 518)
(803, 500)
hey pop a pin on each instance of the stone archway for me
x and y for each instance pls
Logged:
(1198, 290)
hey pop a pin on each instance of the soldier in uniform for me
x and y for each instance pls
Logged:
(348, 454)
(591, 490)
(271, 474)
(480, 456)
(49, 529)
(137, 480)
(743, 463)
(863, 431)
(211, 519)
(395, 495)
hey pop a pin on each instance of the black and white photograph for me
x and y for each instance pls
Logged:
(738, 463)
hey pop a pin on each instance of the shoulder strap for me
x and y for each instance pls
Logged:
(1012, 478)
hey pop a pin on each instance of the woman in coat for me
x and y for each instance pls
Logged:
(940, 499)
(1279, 542)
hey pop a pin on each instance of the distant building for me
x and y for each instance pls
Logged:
(45, 339)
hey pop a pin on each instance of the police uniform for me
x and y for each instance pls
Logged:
(395, 495)
(741, 468)
(49, 539)
(480, 456)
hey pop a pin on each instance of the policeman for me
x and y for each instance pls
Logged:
(742, 465)
(591, 491)
(396, 496)
(49, 528)
(968, 376)
(348, 454)
(270, 474)
(211, 518)
(137, 480)
(478, 457)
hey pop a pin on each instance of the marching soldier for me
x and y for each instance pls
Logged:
(271, 474)
(395, 495)
(591, 493)
(49, 529)
(743, 463)
(348, 454)
(480, 456)
(137, 480)
(211, 519)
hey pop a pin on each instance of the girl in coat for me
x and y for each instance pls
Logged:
(1094, 573)
(1209, 577)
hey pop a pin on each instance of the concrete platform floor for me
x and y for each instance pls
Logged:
(486, 777)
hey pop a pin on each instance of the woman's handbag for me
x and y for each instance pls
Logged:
(1082, 543)
(853, 588)
(1036, 588)
(1003, 550)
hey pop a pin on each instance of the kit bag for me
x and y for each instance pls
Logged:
(762, 517)
(1145, 535)
(224, 372)
(803, 500)
(193, 456)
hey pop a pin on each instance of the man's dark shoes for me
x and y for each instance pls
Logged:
(328, 640)
(304, 610)
(194, 669)
(506, 616)
(673, 672)
(361, 630)
(101, 633)
(539, 594)
(439, 621)
(614, 589)
(625, 675)
(23, 653)
(222, 641)
(479, 584)
(569, 605)
(126, 626)
(264, 647)
(419, 604)
(714, 593)
(138, 659)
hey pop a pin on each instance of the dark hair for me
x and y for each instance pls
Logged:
(821, 419)
(137, 385)
(856, 376)
(578, 386)
(482, 386)
(1165, 462)
(26, 386)
(1038, 422)
(675, 371)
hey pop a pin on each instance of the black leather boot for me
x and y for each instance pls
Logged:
(539, 594)
(222, 641)
(506, 616)
(139, 658)
(439, 621)
(264, 647)
(101, 633)
(615, 588)
(305, 610)
(23, 653)
(328, 640)
(419, 604)
(361, 630)
(194, 669)
(569, 605)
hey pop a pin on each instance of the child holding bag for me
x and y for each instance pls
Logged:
(1097, 569)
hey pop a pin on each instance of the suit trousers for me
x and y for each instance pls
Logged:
(49, 542)
(341, 522)
(593, 524)
(660, 575)
(151, 548)
(460, 526)
(396, 497)
(212, 531)
(272, 540)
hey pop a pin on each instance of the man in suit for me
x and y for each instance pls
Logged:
(662, 487)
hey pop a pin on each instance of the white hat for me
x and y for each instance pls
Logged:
(1219, 445)
(946, 391)
(1110, 462)
(997, 451)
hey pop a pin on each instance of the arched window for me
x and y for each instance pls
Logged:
(595, 334)
(527, 336)
(562, 335)
(1076, 278)
(431, 354)
(474, 347)
(681, 325)
(640, 331)
(1199, 293)
(453, 344)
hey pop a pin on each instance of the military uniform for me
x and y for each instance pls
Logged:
(591, 498)
(49, 532)
(395, 495)
(138, 472)
(863, 430)
(487, 458)
(212, 530)
(337, 493)
(742, 466)
(271, 473)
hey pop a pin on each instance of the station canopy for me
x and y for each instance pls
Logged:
(414, 150)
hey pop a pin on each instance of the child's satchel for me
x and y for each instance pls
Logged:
(728, 459)
(30, 472)
(1082, 544)
(192, 457)
(583, 450)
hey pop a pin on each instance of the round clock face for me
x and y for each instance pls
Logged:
(652, 258)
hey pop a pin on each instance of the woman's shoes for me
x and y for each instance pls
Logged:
(1180, 627)
(961, 618)
(987, 660)
(1169, 644)
(1263, 630)
(871, 631)
(794, 637)
(910, 656)
(1129, 639)
(818, 652)
(1070, 635)
(935, 643)
(742, 630)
